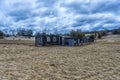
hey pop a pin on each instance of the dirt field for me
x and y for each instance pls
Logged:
(98, 61)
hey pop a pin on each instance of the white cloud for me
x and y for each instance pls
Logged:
(63, 14)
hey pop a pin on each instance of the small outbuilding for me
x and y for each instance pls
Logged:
(66, 41)
(44, 39)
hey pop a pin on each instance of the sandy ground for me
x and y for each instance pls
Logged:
(97, 61)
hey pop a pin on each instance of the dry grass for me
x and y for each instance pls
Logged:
(98, 61)
(17, 42)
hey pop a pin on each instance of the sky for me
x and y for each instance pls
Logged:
(64, 15)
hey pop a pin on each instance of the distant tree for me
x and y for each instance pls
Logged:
(78, 30)
(29, 33)
(44, 31)
(21, 32)
(73, 33)
(13, 32)
(77, 33)
(80, 35)
(104, 33)
(116, 31)
(1, 34)
(55, 31)
(7, 35)
(99, 35)
(92, 38)
(37, 33)
(25, 33)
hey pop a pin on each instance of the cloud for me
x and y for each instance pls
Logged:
(63, 14)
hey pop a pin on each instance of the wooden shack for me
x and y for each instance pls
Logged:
(43, 39)
(86, 40)
(66, 41)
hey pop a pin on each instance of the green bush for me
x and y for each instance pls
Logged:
(80, 35)
(77, 34)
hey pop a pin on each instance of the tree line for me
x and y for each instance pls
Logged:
(74, 33)
(19, 32)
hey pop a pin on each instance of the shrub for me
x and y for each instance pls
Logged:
(116, 31)
(1, 35)
(92, 38)
(77, 34)
(80, 35)
(99, 36)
